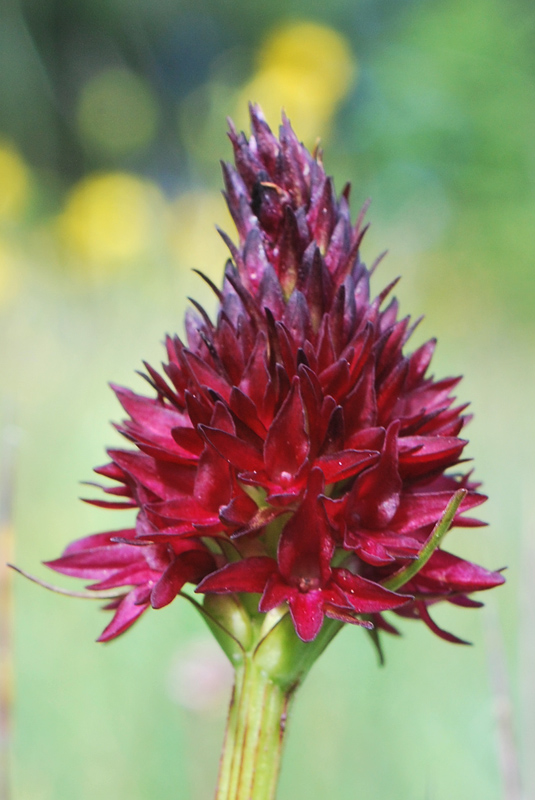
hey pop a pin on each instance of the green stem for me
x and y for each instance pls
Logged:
(251, 756)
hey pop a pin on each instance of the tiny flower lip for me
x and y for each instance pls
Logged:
(294, 447)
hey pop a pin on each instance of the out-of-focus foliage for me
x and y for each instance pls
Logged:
(112, 122)
(116, 112)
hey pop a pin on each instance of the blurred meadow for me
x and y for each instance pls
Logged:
(112, 124)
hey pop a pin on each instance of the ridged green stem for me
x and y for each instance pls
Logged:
(250, 761)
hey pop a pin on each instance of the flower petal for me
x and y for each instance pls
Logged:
(249, 575)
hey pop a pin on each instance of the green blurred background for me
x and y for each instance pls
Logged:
(112, 122)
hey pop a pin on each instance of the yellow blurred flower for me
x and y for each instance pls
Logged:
(194, 241)
(110, 220)
(305, 68)
(14, 183)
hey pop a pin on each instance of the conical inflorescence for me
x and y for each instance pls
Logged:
(293, 448)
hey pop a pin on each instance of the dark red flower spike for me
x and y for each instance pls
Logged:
(294, 449)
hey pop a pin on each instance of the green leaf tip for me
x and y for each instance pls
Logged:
(400, 578)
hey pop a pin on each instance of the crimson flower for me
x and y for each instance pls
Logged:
(292, 449)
